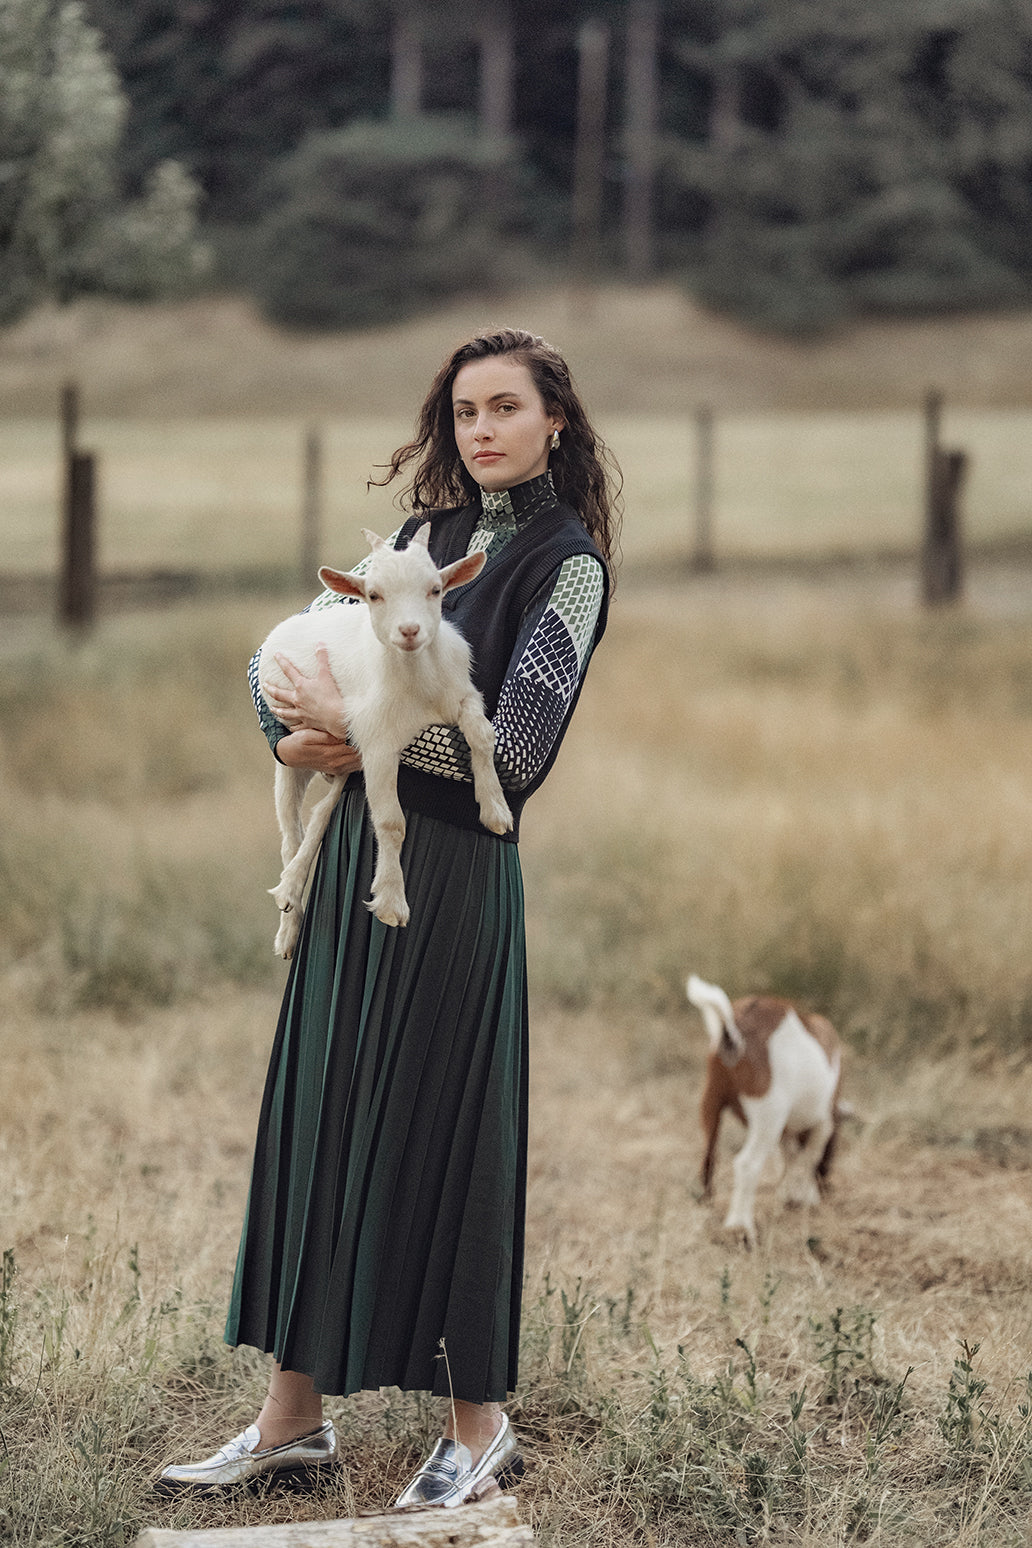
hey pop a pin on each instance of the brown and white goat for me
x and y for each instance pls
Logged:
(778, 1070)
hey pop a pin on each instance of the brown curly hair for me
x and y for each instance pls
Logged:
(584, 472)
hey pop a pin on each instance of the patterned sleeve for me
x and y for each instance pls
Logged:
(273, 729)
(551, 655)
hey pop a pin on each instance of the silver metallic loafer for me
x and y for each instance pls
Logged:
(449, 1476)
(239, 1463)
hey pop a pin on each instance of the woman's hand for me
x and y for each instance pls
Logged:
(308, 703)
(313, 709)
(320, 751)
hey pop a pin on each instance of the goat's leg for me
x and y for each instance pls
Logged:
(823, 1167)
(291, 785)
(388, 901)
(710, 1112)
(765, 1122)
(290, 889)
(802, 1180)
(479, 733)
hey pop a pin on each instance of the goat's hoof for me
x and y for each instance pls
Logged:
(497, 818)
(396, 915)
(743, 1235)
(287, 934)
(284, 898)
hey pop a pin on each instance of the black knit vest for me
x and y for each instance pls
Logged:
(488, 612)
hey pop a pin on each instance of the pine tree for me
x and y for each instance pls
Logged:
(64, 228)
(377, 221)
(853, 155)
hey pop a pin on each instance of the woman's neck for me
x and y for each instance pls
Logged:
(516, 506)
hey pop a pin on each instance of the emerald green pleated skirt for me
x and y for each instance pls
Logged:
(384, 1225)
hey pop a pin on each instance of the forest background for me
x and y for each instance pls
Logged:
(796, 164)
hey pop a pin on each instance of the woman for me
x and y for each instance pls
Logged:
(383, 1241)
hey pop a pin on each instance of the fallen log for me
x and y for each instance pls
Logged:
(492, 1523)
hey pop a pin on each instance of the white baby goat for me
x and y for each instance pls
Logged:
(400, 667)
(778, 1069)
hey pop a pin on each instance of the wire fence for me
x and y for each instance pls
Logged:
(212, 499)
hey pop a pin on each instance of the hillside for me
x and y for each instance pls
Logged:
(640, 351)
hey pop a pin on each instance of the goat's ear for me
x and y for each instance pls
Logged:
(422, 535)
(344, 584)
(372, 539)
(463, 570)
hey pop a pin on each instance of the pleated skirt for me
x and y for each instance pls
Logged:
(383, 1239)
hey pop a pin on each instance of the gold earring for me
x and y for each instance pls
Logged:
(555, 440)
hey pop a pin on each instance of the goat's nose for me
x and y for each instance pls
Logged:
(408, 631)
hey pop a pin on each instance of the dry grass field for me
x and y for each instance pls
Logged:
(788, 779)
(797, 784)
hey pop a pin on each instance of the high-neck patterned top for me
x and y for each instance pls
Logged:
(552, 652)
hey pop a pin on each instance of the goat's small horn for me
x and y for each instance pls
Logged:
(372, 539)
(422, 535)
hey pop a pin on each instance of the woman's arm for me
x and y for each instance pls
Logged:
(550, 658)
(311, 710)
(317, 750)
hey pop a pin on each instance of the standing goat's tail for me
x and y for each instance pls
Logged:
(719, 1017)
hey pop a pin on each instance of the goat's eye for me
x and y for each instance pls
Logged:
(373, 596)
(435, 591)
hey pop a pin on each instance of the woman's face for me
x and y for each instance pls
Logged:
(502, 428)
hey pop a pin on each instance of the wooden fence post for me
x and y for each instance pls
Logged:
(311, 505)
(77, 592)
(942, 562)
(69, 418)
(492, 1523)
(702, 555)
(943, 567)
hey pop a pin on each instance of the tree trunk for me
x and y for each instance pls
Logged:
(640, 117)
(407, 60)
(725, 110)
(497, 67)
(497, 73)
(589, 151)
(724, 127)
